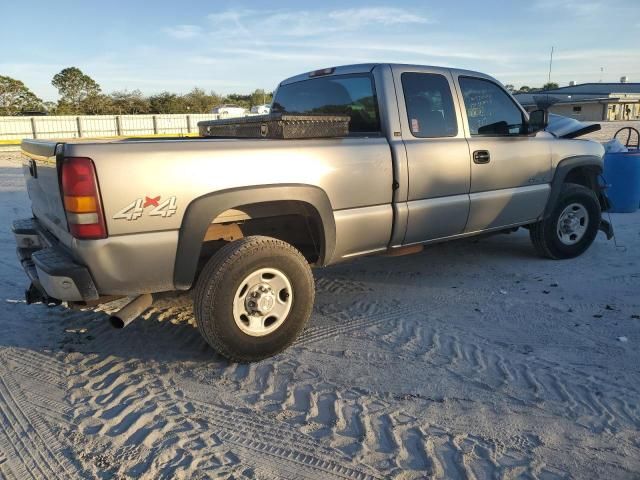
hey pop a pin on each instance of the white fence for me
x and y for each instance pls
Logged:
(67, 126)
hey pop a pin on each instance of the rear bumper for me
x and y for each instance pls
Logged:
(50, 268)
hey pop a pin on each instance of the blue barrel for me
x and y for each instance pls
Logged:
(622, 174)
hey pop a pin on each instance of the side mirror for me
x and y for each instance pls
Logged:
(538, 120)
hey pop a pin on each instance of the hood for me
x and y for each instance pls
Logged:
(565, 127)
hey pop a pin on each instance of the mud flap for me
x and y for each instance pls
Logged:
(607, 228)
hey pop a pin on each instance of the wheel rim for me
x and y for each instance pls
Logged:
(262, 302)
(572, 224)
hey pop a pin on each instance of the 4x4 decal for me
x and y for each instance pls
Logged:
(161, 208)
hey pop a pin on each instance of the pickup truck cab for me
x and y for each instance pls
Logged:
(432, 154)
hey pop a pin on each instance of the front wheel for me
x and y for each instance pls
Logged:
(572, 226)
(253, 298)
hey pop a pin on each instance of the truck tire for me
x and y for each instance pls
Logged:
(253, 298)
(572, 226)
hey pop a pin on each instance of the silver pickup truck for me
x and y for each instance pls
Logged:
(432, 154)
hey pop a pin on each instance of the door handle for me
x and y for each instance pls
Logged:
(481, 156)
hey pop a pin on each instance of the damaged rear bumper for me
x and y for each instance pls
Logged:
(54, 275)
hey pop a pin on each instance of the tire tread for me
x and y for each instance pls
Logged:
(539, 231)
(212, 276)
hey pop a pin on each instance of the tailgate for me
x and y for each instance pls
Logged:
(40, 167)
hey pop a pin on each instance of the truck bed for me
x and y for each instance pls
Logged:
(146, 186)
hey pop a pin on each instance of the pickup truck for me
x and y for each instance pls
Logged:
(432, 154)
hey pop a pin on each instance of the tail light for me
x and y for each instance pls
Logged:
(82, 199)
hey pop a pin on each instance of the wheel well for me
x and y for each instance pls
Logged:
(585, 176)
(297, 223)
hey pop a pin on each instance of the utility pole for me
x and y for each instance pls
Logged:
(550, 64)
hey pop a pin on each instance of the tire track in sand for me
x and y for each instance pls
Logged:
(133, 406)
(409, 335)
(31, 450)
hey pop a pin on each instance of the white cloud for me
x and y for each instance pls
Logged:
(590, 10)
(305, 23)
(266, 54)
(621, 55)
(358, 17)
(183, 32)
(235, 16)
(576, 7)
(422, 51)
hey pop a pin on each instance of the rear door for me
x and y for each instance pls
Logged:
(510, 169)
(437, 153)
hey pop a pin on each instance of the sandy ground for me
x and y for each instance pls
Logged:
(609, 129)
(473, 359)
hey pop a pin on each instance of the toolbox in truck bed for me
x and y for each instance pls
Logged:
(278, 126)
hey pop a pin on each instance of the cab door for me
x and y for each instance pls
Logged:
(437, 153)
(510, 168)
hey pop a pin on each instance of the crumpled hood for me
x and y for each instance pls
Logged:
(565, 127)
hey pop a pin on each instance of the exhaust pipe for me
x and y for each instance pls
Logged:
(131, 311)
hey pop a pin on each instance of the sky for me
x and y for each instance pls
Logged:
(238, 46)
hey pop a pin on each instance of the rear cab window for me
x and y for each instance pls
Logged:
(490, 110)
(429, 103)
(352, 95)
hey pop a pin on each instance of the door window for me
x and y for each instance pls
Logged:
(490, 111)
(429, 105)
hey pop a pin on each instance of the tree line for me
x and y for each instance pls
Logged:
(528, 89)
(82, 95)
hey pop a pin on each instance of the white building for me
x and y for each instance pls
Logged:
(588, 101)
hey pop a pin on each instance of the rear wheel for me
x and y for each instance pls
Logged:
(572, 226)
(253, 298)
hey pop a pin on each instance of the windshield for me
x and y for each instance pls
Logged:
(351, 95)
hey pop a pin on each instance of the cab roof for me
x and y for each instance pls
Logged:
(368, 67)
